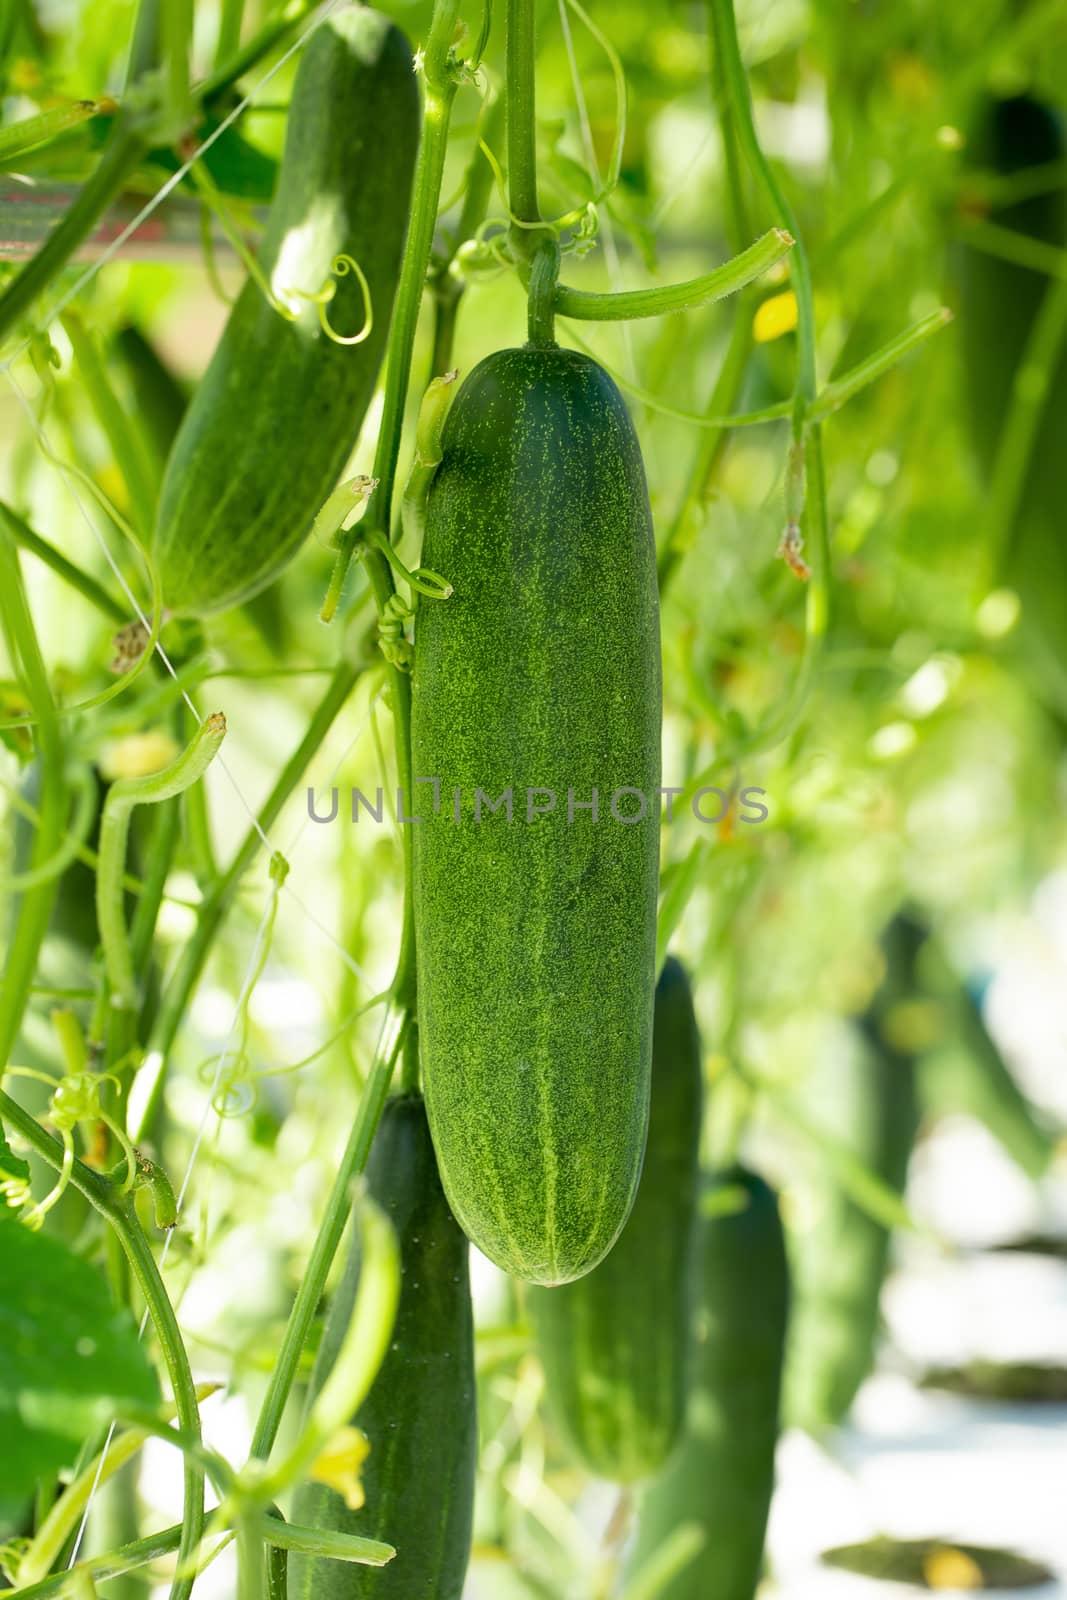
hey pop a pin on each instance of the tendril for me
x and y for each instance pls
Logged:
(342, 266)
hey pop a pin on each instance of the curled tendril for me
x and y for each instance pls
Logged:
(232, 1074)
(15, 1193)
(342, 266)
(76, 1098)
(393, 641)
(12, 1554)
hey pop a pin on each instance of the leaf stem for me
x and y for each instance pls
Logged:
(667, 298)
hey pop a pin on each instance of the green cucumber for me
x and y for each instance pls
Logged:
(615, 1344)
(999, 302)
(420, 1416)
(866, 1099)
(968, 1074)
(280, 406)
(718, 1483)
(536, 933)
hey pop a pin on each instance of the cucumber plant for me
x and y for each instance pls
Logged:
(534, 876)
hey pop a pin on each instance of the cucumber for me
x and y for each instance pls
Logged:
(866, 1098)
(420, 1415)
(280, 406)
(719, 1481)
(536, 933)
(998, 304)
(615, 1344)
(969, 1074)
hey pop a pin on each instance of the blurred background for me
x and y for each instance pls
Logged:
(905, 900)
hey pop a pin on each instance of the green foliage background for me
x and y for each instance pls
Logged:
(927, 767)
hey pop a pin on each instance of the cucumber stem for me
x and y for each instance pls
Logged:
(522, 126)
(544, 294)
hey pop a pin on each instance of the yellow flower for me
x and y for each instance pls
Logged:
(775, 316)
(338, 1465)
(138, 755)
(946, 1568)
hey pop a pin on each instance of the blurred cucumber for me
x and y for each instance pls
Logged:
(714, 1494)
(866, 1099)
(970, 1075)
(998, 302)
(614, 1344)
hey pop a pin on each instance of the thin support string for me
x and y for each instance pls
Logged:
(70, 482)
(171, 183)
(607, 227)
(72, 489)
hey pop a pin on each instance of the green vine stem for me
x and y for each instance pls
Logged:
(1030, 390)
(121, 1215)
(62, 1519)
(724, 396)
(35, 906)
(520, 57)
(125, 442)
(709, 453)
(662, 300)
(276, 31)
(179, 990)
(123, 152)
(446, 282)
(94, 592)
(395, 1026)
(441, 80)
(543, 294)
(122, 797)
(362, 1351)
(99, 1568)
(807, 439)
(231, 16)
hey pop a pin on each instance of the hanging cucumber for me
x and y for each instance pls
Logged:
(718, 1482)
(420, 1416)
(538, 686)
(281, 404)
(968, 1074)
(999, 303)
(615, 1344)
(865, 1098)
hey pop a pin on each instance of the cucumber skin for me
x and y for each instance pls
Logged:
(280, 406)
(721, 1476)
(615, 1344)
(998, 303)
(421, 1413)
(536, 941)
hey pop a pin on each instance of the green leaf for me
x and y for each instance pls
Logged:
(71, 1357)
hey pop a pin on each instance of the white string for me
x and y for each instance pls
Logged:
(607, 228)
(170, 184)
(7, 367)
(71, 482)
